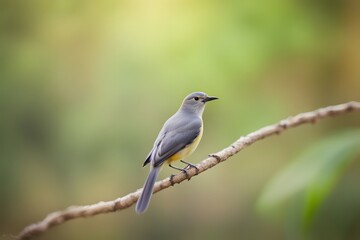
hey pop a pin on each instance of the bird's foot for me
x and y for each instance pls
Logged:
(180, 169)
(190, 165)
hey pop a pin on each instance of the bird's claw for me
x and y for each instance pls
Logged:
(172, 182)
(189, 165)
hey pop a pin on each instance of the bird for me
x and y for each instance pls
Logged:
(178, 138)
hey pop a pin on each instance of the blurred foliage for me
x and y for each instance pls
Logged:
(86, 85)
(311, 178)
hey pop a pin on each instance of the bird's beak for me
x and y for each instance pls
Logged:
(208, 99)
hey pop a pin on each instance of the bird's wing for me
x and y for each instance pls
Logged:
(174, 141)
(156, 144)
(148, 158)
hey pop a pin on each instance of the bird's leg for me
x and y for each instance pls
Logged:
(180, 169)
(191, 165)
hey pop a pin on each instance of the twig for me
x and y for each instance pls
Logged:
(59, 217)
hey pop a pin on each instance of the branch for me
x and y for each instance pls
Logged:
(59, 217)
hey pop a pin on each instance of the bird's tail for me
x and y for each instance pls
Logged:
(144, 200)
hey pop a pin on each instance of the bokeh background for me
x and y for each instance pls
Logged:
(85, 86)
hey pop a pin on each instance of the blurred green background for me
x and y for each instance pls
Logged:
(85, 86)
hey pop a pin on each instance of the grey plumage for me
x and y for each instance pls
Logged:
(178, 132)
(144, 199)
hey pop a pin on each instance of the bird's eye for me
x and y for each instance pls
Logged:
(196, 98)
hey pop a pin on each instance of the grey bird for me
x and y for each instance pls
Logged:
(177, 139)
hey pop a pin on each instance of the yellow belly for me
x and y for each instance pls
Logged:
(187, 151)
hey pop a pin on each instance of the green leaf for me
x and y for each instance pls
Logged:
(314, 173)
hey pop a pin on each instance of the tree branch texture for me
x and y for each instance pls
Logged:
(73, 212)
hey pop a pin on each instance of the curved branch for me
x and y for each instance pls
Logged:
(59, 217)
